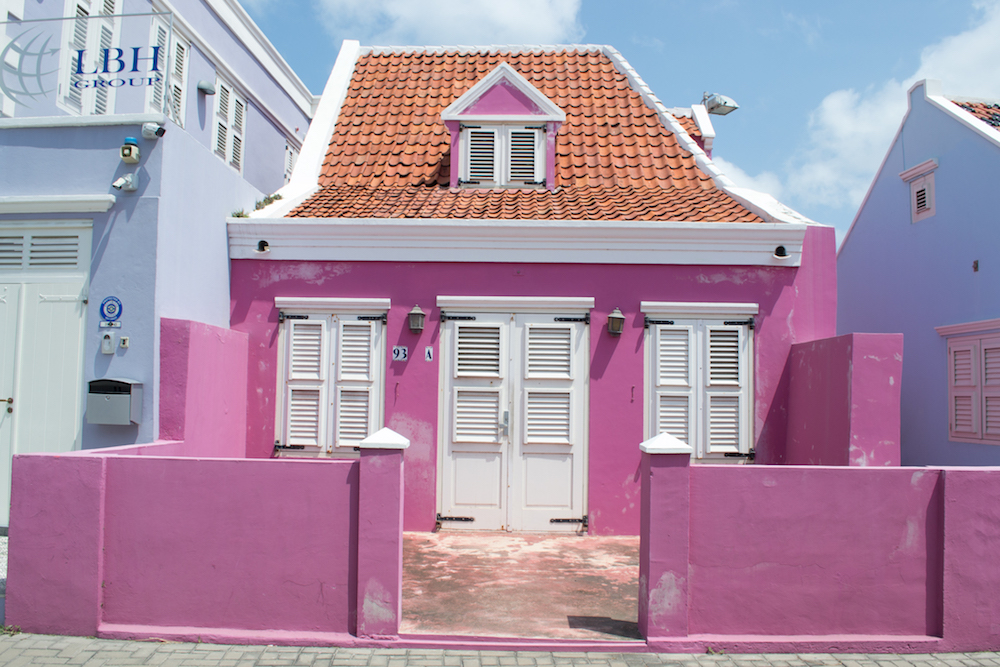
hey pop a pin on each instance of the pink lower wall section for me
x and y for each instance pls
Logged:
(203, 375)
(843, 401)
(775, 558)
(796, 304)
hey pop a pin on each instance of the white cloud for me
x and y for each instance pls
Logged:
(850, 131)
(764, 182)
(451, 22)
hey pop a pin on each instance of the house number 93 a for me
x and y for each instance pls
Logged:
(399, 353)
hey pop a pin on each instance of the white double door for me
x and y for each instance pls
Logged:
(514, 422)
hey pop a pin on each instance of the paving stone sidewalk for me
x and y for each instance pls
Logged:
(25, 649)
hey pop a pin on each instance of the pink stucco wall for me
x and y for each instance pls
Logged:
(795, 305)
(815, 551)
(203, 374)
(844, 401)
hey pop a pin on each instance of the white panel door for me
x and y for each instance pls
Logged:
(514, 430)
(8, 348)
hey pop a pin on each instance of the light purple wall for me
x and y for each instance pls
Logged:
(795, 305)
(899, 276)
(202, 387)
(843, 401)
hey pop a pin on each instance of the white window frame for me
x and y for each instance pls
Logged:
(99, 23)
(503, 134)
(973, 340)
(173, 62)
(334, 314)
(291, 158)
(699, 320)
(229, 127)
(922, 191)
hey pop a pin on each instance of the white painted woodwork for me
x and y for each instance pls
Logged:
(520, 476)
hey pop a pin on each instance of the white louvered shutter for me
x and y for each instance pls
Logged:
(236, 128)
(11, 251)
(725, 396)
(524, 155)
(549, 352)
(478, 351)
(477, 415)
(178, 72)
(78, 41)
(549, 355)
(481, 147)
(306, 366)
(101, 95)
(964, 397)
(359, 374)
(990, 352)
(674, 390)
(156, 96)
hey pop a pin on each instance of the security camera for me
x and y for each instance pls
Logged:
(130, 151)
(127, 183)
(153, 130)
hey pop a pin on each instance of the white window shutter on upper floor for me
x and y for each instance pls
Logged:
(480, 155)
(524, 155)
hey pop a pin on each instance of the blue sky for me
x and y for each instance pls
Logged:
(821, 86)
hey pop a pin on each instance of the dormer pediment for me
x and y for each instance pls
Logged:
(503, 95)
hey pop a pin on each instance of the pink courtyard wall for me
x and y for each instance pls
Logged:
(844, 401)
(796, 304)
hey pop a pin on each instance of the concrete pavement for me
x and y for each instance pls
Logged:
(25, 649)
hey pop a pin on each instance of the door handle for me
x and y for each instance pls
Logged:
(505, 423)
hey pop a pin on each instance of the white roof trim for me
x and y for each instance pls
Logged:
(701, 118)
(515, 303)
(541, 241)
(968, 328)
(305, 176)
(503, 72)
(699, 308)
(81, 121)
(330, 304)
(764, 205)
(915, 172)
(57, 204)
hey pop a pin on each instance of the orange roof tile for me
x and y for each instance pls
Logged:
(621, 202)
(390, 151)
(984, 111)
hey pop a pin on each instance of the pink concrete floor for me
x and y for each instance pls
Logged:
(501, 585)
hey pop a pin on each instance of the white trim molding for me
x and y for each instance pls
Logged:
(82, 121)
(535, 241)
(57, 204)
(504, 304)
(924, 167)
(456, 111)
(982, 326)
(698, 309)
(330, 304)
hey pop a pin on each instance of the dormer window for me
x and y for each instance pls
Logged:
(503, 133)
(502, 155)
(921, 180)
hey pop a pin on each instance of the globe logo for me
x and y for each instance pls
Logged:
(27, 64)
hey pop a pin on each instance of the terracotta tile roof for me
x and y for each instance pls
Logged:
(390, 150)
(688, 124)
(984, 111)
(620, 202)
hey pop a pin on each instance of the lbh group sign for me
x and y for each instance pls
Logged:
(48, 65)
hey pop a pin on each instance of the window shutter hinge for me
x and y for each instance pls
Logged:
(462, 181)
(383, 318)
(737, 323)
(541, 182)
(284, 316)
(445, 317)
(584, 520)
(647, 321)
(463, 126)
(585, 318)
(536, 127)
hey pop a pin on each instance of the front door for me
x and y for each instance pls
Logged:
(514, 422)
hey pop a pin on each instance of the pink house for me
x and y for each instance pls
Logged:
(587, 279)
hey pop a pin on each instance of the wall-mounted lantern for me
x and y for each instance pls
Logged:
(616, 322)
(416, 320)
